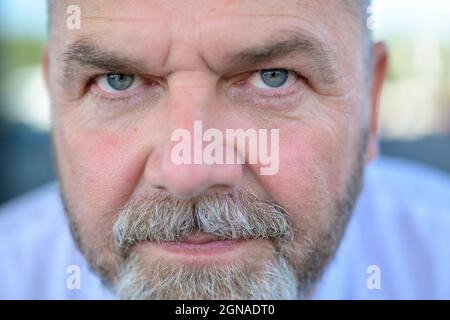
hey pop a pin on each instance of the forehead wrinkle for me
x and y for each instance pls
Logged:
(289, 40)
(120, 19)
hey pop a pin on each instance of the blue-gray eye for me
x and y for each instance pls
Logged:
(120, 82)
(274, 77)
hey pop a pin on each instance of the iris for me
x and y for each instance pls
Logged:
(120, 82)
(274, 77)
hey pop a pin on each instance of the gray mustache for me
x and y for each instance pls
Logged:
(160, 217)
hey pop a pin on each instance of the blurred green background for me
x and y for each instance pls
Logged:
(415, 107)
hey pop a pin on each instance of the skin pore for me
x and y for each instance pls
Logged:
(153, 229)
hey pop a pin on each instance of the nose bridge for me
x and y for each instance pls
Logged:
(180, 167)
(190, 93)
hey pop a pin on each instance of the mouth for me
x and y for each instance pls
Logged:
(201, 248)
(201, 244)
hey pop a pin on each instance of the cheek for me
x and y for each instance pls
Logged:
(107, 170)
(311, 173)
(99, 169)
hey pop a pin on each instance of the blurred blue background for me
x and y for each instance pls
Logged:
(415, 108)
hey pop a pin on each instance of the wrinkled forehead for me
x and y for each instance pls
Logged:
(209, 27)
(145, 8)
(143, 13)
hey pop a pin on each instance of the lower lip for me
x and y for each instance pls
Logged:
(207, 248)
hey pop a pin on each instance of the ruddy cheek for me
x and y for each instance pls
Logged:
(304, 173)
(294, 178)
(106, 166)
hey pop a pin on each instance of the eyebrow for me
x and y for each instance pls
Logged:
(292, 43)
(84, 52)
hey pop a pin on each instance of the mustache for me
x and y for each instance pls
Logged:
(238, 215)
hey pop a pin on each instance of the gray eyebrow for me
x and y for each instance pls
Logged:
(86, 53)
(291, 42)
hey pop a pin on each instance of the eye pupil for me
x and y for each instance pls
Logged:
(274, 77)
(120, 82)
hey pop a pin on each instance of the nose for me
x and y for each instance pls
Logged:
(178, 163)
(189, 181)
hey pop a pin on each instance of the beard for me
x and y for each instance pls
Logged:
(232, 216)
(273, 279)
(296, 259)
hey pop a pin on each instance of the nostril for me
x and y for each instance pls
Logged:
(190, 181)
(187, 182)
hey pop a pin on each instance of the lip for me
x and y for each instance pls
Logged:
(200, 238)
(200, 245)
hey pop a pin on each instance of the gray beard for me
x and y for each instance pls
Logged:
(296, 263)
(271, 280)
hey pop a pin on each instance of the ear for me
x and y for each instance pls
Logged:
(379, 68)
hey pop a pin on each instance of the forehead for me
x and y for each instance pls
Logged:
(155, 27)
(139, 15)
(143, 8)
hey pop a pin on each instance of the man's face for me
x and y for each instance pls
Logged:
(136, 71)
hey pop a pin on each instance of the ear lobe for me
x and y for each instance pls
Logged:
(379, 69)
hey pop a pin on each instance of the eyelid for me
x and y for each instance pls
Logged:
(242, 91)
(102, 82)
(255, 77)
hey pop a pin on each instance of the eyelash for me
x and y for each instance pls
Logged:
(278, 94)
(108, 98)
